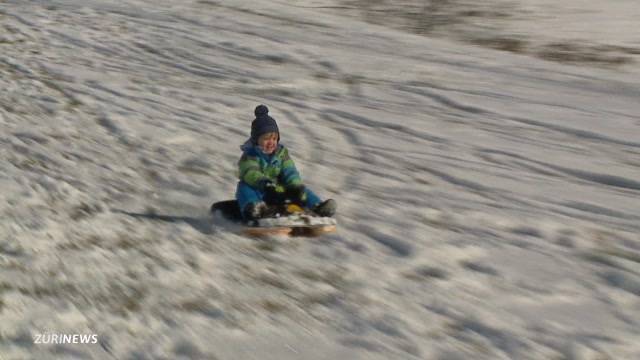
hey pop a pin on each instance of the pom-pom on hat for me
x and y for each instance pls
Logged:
(263, 124)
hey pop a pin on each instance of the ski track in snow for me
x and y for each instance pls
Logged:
(488, 202)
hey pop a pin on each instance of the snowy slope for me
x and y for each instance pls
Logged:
(488, 201)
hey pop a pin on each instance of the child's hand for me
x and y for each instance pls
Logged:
(271, 196)
(266, 184)
(296, 193)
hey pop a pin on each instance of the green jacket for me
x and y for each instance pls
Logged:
(256, 168)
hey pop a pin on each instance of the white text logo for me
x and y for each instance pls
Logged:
(66, 339)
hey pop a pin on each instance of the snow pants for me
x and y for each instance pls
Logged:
(246, 195)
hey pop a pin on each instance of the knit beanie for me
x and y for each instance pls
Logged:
(263, 124)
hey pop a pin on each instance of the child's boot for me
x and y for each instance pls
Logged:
(326, 208)
(255, 210)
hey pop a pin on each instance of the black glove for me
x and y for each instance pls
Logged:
(296, 194)
(271, 196)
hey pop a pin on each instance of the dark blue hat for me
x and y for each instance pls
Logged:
(263, 124)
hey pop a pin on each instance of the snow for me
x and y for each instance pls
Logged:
(488, 200)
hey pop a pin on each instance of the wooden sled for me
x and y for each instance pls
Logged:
(291, 220)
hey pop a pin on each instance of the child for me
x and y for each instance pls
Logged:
(268, 175)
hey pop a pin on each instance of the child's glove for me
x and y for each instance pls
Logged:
(271, 196)
(296, 194)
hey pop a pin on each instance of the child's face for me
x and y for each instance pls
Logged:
(268, 142)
